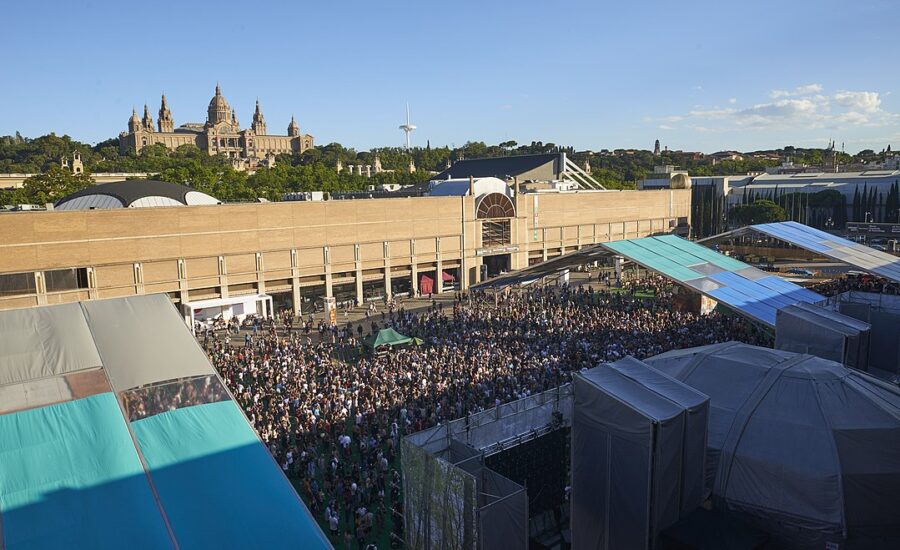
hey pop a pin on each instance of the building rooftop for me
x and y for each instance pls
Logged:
(498, 167)
(134, 194)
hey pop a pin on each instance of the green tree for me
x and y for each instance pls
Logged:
(55, 184)
(761, 211)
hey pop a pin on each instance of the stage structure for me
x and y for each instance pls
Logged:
(800, 447)
(805, 328)
(638, 446)
(452, 499)
(882, 313)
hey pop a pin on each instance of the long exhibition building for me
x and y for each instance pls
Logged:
(300, 252)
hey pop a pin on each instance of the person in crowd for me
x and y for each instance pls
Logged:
(862, 283)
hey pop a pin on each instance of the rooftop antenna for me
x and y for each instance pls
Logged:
(407, 128)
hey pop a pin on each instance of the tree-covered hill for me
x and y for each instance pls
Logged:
(314, 170)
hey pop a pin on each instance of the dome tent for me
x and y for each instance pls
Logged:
(134, 194)
(808, 449)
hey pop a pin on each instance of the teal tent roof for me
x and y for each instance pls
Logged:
(754, 293)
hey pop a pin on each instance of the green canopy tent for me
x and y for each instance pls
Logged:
(387, 337)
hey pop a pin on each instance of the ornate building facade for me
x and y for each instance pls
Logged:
(220, 134)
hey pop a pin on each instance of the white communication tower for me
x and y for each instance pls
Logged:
(408, 127)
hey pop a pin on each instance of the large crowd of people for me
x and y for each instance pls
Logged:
(857, 282)
(159, 398)
(333, 417)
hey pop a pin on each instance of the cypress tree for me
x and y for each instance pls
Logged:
(889, 204)
(871, 206)
(864, 206)
(893, 202)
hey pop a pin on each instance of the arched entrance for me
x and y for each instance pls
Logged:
(495, 210)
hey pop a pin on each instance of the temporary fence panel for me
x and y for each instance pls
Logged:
(440, 502)
(493, 427)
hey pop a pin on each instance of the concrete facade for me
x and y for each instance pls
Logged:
(300, 252)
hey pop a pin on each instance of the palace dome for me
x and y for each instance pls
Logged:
(218, 110)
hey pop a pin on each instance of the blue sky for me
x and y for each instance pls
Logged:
(697, 75)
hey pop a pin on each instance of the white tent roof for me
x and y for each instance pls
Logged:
(29, 354)
(230, 301)
(166, 352)
(460, 187)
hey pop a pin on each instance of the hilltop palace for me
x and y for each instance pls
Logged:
(220, 134)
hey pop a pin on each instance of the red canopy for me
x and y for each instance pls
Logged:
(447, 277)
(426, 284)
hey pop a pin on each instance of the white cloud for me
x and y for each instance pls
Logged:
(852, 117)
(867, 102)
(803, 107)
(799, 90)
(665, 127)
(781, 110)
(712, 113)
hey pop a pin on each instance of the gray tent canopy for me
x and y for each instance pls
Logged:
(807, 447)
(628, 440)
(696, 406)
(28, 354)
(806, 328)
(165, 352)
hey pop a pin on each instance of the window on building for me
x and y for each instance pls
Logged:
(495, 205)
(495, 233)
(60, 280)
(15, 284)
